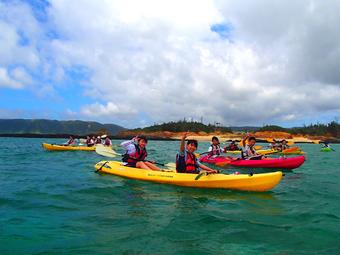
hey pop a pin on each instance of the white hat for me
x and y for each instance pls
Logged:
(104, 136)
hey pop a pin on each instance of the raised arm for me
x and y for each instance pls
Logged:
(182, 146)
(126, 144)
(244, 140)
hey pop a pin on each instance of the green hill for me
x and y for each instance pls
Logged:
(182, 126)
(330, 129)
(43, 126)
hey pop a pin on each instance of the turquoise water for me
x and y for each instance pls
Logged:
(54, 203)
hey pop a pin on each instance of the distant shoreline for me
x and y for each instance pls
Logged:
(205, 138)
(66, 136)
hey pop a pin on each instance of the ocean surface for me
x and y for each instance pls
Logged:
(54, 203)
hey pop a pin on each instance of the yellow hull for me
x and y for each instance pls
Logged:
(245, 182)
(54, 147)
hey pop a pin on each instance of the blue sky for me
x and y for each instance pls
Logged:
(226, 61)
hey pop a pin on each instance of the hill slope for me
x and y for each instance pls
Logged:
(42, 126)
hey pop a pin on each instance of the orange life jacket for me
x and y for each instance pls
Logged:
(139, 155)
(187, 163)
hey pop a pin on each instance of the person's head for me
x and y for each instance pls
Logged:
(251, 141)
(192, 145)
(215, 140)
(232, 142)
(142, 141)
(284, 142)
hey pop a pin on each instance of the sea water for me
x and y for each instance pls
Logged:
(54, 203)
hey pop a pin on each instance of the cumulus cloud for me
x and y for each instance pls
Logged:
(110, 109)
(161, 60)
(7, 82)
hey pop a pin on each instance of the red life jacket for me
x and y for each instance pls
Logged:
(186, 163)
(216, 150)
(139, 155)
(107, 142)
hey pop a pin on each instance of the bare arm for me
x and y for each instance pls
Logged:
(208, 169)
(182, 146)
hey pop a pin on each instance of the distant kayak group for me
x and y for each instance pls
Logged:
(89, 141)
(188, 169)
(72, 144)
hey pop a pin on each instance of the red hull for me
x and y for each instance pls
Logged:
(285, 163)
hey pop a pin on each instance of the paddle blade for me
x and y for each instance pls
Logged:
(171, 165)
(106, 151)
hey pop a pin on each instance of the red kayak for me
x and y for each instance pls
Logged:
(285, 163)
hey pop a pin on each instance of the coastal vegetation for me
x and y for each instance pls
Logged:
(183, 126)
(168, 130)
(330, 129)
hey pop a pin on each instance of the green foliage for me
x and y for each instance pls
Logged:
(273, 128)
(41, 126)
(182, 126)
(332, 128)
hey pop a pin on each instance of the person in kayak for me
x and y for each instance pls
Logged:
(214, 148)
(248, 151)
(98, 140)
(136, 153)
(283, 145)
(326, 145)
(273, 145)
(232, 146)
(186, 161)
(71, 141)
(89, 141)
(107, 141)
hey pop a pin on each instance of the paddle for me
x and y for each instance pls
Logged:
(108, 152)
(100, 168)
(203, 173)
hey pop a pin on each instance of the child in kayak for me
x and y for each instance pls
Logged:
(71, 141)
(214, 148)
(232, 147)
(248, 150)
(186, 161)
(89, 141)
(283, 145)
(98, 140)
(136, 153)
(107, 141)
(273, 145)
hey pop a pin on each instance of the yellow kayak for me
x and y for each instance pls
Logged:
(245, 182)
(55, 147)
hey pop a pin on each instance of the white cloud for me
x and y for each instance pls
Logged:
(160, 59)
(7, 82)
(110, 110)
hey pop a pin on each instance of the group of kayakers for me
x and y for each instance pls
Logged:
(90, 141)
(279, 145)
(186, 160)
